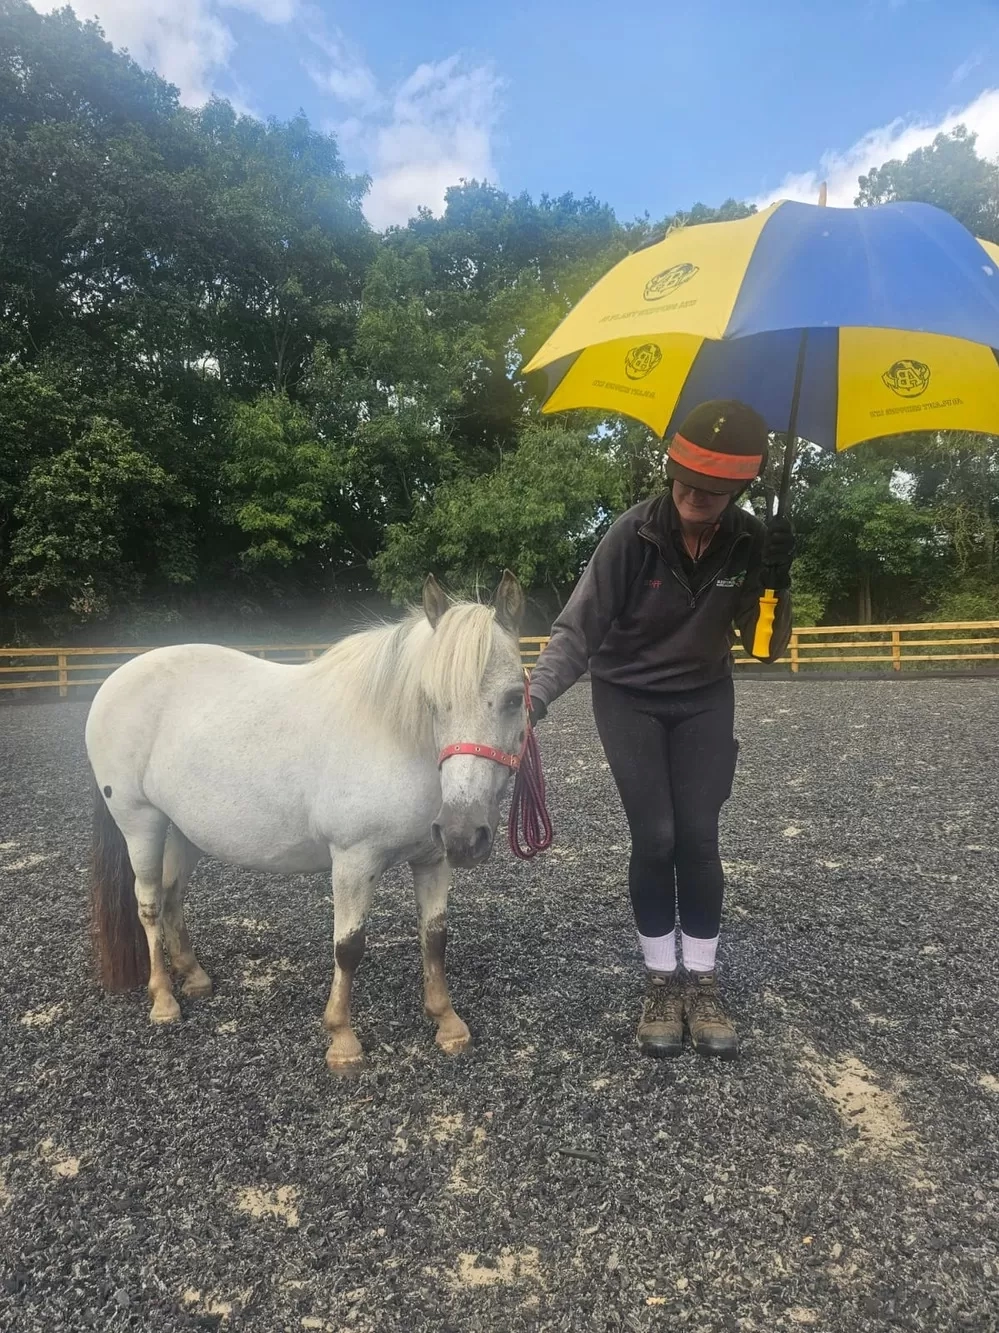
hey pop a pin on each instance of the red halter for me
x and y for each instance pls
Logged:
(483, 751)
(528, 809)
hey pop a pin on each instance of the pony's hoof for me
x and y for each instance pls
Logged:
(198, 987)
(165, 1011)
(455, 1043)
(344, 1066)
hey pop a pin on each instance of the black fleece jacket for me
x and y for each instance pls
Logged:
(645, 616)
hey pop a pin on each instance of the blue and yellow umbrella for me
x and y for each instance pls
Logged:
(837, 324)
(899, 303)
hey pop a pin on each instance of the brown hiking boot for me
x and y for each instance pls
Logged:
(711, 1032)
(660, 1029)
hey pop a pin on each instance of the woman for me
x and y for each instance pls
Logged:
(652, 618)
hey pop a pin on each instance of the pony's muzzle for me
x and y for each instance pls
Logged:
(466, 838)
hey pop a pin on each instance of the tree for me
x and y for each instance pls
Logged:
(284, 487)
(950, 174)
(863, 545)
(540, 514)
(95, 526)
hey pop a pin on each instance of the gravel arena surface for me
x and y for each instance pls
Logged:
(843, 1174)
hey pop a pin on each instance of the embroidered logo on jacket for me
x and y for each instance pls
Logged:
(653, 583)
(735, 582)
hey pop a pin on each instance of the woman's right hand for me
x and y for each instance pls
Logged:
(537, 711)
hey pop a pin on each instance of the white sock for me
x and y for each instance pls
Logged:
(659, 951)
(699, 955)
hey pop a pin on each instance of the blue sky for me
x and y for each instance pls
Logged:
(649, 106)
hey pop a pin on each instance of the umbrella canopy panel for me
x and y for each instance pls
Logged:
(900, 304)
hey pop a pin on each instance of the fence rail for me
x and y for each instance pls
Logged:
(974, 642)
(850, 646)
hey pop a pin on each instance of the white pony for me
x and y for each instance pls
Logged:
(201, 750)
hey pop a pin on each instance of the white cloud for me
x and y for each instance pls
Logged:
(344, 73)
(186, 41)
(435, 129)
(967, 66)
(896, 140)
(440, 131)
(271, 11)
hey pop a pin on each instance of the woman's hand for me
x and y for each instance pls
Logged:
(537, 711)
(778, 552)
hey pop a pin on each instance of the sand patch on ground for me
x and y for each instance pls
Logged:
(873, 1112)
(467, 1173)
(443, 1128)
(508, 1267)
(59, 1162)
(26, 863)
(281, 1202)
(989, 1082)
(261, 974)
(245, 923)
(44, 1018)
(860, 1102)
(213, 1303)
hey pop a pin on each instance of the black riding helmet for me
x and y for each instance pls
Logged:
(721, 446)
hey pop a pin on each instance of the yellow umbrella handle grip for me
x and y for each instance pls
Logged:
(765, 624)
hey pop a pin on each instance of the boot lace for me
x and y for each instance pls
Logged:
(705, 1002)
(660, 1001)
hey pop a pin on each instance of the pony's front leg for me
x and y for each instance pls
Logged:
(355, 874)
(431, 883)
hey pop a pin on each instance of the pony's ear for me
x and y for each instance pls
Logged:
(435, 601)
(510, 602)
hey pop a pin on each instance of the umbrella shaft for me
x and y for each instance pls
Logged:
(792, 426)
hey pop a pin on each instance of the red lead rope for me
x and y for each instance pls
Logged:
(530, 824)
(529, 818)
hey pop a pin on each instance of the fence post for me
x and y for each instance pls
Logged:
(795, 659)
(896, 649)
(63, 676)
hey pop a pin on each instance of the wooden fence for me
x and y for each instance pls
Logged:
(914, 647)
(895, 647)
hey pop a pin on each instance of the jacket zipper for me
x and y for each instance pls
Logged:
(691, 595)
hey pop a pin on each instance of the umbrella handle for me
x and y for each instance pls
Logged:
(764, 632)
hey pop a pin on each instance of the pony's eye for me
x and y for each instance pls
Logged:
(513, 701)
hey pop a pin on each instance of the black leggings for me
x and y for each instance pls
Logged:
(673, 759)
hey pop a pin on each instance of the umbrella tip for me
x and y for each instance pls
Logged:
(822, 195)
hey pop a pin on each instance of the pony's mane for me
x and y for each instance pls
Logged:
(394, 671)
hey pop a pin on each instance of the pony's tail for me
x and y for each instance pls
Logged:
(121, 954)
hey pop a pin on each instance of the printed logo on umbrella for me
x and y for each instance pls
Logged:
(668, 280)
(907, 378)
(641, 361)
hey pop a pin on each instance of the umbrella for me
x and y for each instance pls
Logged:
(836, 324)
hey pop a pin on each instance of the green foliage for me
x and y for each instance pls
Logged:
(950, 174)
(809, 608)
(974, 599)
(282, 484)
(859, 538)
(219, 386)
(539, 513)
(95, 524)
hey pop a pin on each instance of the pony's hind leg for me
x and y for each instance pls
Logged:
(179, 859)
(145, 834)
(431, 883)
(355, 874)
